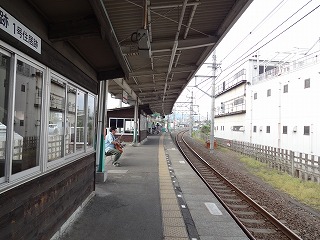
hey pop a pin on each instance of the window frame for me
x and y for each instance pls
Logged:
(9, 179)
(37, 169)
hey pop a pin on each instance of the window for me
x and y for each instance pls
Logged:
(91, 117)
(4, 105)
(285, 88)
(71, 120)
(28, 144)
(255, 95)
(254, 128)
(124, 125)
(307, 83)
(56, 140)
(238, 101)
(27, 110)
(268, 129)
(306, 130)
(268, 92)
(237, 128)
(81, 121)
(285, 129)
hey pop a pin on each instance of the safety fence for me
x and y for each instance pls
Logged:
(300, 165)
(303, 166)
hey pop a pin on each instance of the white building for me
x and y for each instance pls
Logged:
(278, 108)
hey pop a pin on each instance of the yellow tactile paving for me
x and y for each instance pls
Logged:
(173, 223)
(171, 214)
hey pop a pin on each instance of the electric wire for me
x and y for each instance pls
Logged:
(256, 27)
(237, 60)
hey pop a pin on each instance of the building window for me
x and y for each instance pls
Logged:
(56, 140)
(81, 121)
(255, 95)
(237, 128)
(4, 107)
(26, 113)
(285, 129)
(268, 92)
(36, 97)
(71, 119)
(124, 125)
(254, 128)
(238, 101)
(307, 83)
(90, 124)
(306, 130)
(268, 129)
(285, 88)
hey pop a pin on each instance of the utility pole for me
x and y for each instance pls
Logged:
(214, 68)
(191, 115)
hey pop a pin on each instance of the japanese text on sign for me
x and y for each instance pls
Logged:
(19, 31)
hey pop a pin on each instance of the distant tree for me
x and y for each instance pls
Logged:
(205, 129)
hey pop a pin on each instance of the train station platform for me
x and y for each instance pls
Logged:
(154, 195)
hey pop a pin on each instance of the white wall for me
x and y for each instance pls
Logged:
(296, 108)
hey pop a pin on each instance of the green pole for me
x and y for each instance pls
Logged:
(102, 155)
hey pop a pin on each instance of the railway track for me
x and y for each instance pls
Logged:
(255, 221)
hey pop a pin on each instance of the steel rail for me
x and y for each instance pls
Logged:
(290, 234)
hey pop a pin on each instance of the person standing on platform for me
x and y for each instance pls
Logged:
(112, 146)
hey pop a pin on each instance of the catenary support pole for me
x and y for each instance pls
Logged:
(214, 67)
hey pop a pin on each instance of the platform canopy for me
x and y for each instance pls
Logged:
(150, 49)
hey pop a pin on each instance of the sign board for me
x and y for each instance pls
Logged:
(16, 29)
(124, 97)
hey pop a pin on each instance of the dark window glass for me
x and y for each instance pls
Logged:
(268, 92)
(307, 83)
(268, 129)
(306, 130)
(120, 123)
(285, 88)
(255, 96)
(284, 129)
(113, 122)
(254, 128)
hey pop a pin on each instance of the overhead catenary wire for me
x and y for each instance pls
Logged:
(239, 59)
(255, 28)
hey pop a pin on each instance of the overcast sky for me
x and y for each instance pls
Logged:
(267, 27)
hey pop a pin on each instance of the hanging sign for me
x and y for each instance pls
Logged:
(16, 29)
(124, 97)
